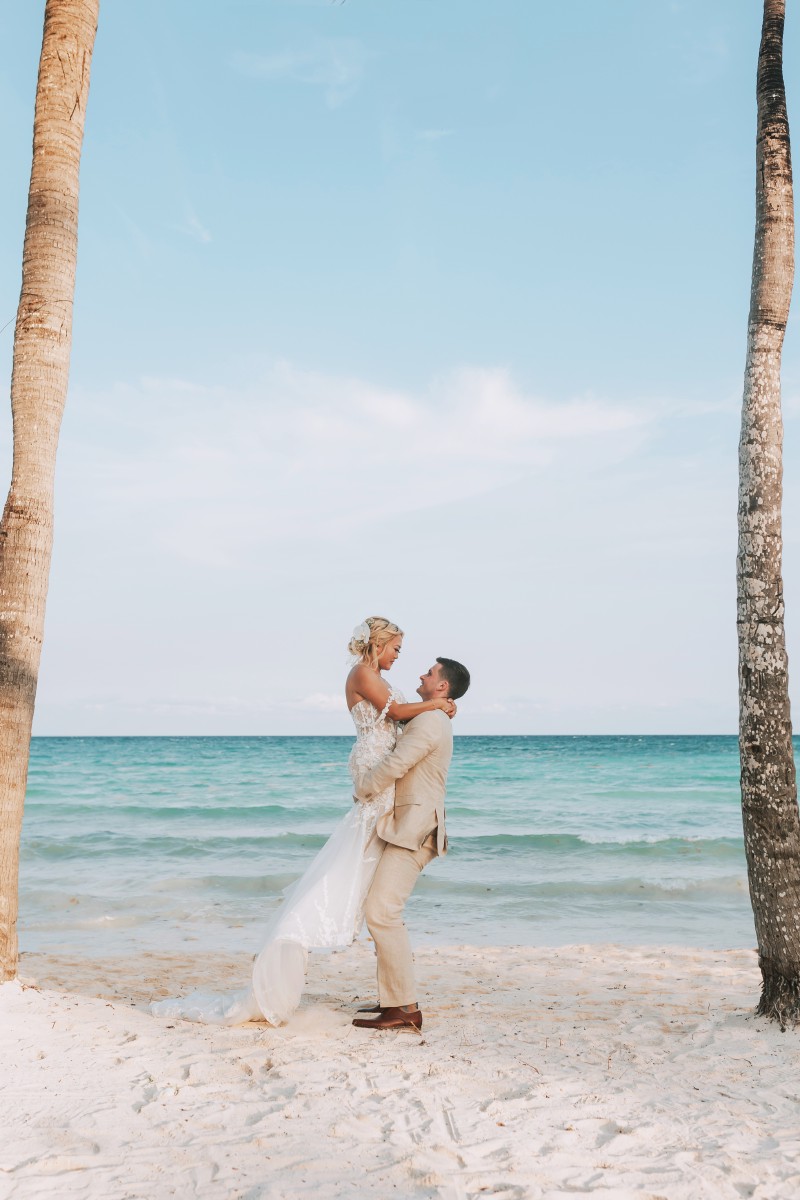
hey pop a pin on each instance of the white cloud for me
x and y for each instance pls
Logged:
(194, 228)
(216, 544)
(334, 64)
(218, 472)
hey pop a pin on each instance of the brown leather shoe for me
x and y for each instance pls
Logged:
(393, 1018)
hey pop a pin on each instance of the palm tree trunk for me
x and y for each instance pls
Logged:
(42, 342)
(769, 785)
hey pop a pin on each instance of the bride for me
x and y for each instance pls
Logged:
(324, 908)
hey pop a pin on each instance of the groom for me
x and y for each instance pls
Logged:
(414, 833)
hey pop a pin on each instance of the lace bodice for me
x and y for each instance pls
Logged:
(376, 733)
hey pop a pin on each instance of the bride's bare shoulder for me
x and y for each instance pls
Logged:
(365, 684)
(355, 676)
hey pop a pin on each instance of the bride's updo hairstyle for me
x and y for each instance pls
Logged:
(370, 637)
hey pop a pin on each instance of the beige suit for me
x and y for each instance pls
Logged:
(414, 831)
(418, 767)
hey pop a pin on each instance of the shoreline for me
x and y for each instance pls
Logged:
(138, 978)
(540, 1072)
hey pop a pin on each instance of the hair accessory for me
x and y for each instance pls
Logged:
(362, 634)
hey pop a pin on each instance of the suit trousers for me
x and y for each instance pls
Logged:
(394, 881)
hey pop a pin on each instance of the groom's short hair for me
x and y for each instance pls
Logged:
(456, 676)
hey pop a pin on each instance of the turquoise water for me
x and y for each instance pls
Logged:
(167, 843)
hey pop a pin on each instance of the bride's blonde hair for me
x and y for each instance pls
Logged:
(370, 637)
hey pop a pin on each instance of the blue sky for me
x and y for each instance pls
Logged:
(429, 309)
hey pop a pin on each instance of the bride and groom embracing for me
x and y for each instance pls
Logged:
(372, 860)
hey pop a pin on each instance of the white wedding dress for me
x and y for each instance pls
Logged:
(322, 910)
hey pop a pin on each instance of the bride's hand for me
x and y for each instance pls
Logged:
(447, 706)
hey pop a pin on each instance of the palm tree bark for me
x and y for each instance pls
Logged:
(769, 785)
(42, 342)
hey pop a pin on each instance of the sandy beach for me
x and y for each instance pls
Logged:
(540, 1073)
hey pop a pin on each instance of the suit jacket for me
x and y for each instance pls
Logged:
(418, 768)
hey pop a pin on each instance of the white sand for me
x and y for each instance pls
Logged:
(540, 1073)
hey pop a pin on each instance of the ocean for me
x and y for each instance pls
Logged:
(181, 844)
